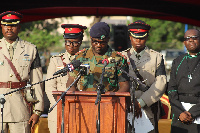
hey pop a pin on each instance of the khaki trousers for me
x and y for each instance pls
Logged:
(17, 127)
(52, 125)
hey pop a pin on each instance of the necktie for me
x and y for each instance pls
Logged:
(138, 56)
(11, 51)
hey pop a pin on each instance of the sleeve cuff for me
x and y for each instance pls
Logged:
(141, 102)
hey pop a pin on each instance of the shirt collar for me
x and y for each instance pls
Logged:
(71, 57)
(139, 54)
(14, 44)
(192, 56)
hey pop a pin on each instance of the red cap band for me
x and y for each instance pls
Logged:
(138, 30)
(10, 16)
(73, 30)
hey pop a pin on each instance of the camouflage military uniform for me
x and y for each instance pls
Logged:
(112, 75)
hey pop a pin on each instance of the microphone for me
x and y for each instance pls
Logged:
(69, 67)
(100, 86)
(84, 69)
(105, 62)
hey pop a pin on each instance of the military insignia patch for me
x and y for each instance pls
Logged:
(26, 55)
(69, 29)
(1, 63)
(102, 37)
(8, 15)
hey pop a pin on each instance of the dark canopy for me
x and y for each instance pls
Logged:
(185, 11)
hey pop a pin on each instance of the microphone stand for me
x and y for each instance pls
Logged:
(132, 92)
(100, 90)
(2, 96)
(2, 101)
(63, 100)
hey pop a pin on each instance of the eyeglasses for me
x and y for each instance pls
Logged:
(99, 42)
(74, 43)
(193, 38)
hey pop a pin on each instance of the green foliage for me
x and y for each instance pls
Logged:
(41, 33)
(41, 38)
(164, 34)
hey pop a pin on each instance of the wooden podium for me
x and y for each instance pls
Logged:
(81, 113)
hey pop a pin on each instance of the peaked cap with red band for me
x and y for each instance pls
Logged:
(73, 31)
(10, 18)
(139, 29)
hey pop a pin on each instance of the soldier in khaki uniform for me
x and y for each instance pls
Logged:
(73, 36)
(113, 79)
(150, 66)
(19, 64)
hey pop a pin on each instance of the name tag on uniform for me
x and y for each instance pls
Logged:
(60, 67)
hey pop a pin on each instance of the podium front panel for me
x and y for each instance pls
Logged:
(81, 113)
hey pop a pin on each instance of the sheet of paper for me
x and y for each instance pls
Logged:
(187, 106)
(142, 125)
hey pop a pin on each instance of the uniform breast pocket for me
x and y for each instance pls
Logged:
(25, 64)
(60, 79)
(150, 68)
(109, 72)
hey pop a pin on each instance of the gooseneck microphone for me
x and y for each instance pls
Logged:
(69, 67)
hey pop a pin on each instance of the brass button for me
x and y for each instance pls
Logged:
(11, 75)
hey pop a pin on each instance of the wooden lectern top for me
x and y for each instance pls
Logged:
(92, 93)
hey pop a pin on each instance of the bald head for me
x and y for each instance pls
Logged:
(195, 31)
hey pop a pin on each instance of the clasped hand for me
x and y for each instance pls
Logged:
(186, 118)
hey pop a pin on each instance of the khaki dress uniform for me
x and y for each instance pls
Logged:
(148, 65)
(57, 84)
(27, 63)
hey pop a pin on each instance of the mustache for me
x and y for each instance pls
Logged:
(193, 43)
(9, 32)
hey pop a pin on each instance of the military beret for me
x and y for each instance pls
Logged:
(10, 18)
(73, 31)
(100, 30)
(139, 29)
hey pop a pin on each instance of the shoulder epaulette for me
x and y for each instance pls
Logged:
(151, 50)
(155, 52)
(59, 55)
(27, 43)
(81, 51)
(119, 53)
(127, 50)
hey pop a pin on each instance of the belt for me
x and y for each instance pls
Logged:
(190, 95)
(13, 85)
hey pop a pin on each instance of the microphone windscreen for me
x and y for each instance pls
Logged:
(105, 61)
(76, 63)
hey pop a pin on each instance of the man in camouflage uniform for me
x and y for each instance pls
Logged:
(150, 65)
(73, 36)
(113, 79)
